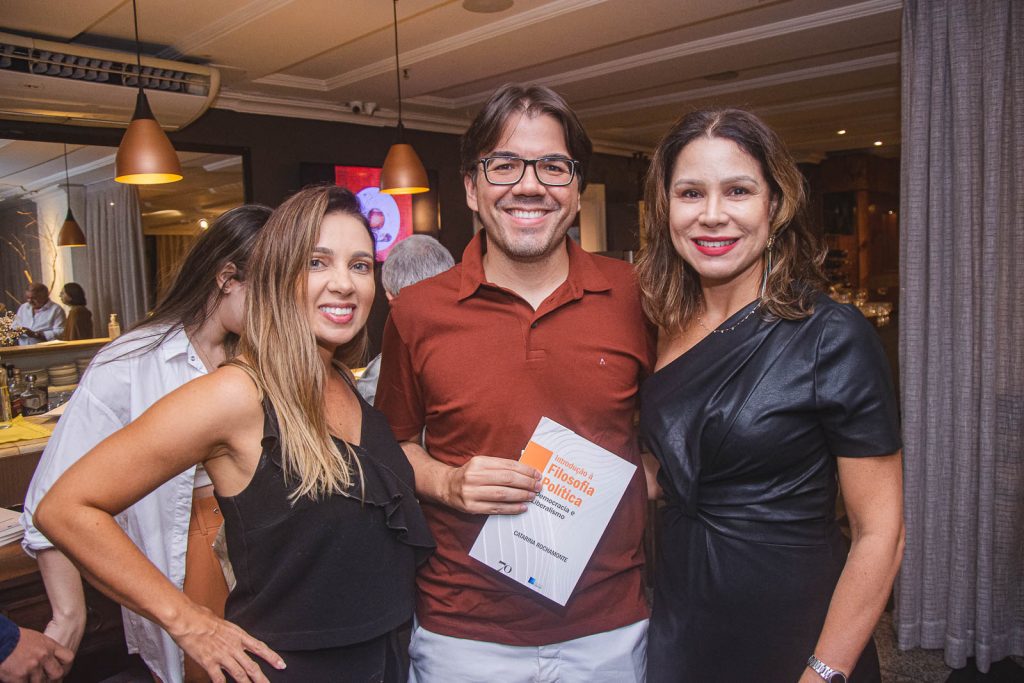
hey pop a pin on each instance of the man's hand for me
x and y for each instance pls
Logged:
(36, 658)
(491, 486)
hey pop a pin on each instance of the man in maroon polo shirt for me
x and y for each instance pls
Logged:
(528, 325)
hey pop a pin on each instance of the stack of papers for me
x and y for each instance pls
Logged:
(10, 526)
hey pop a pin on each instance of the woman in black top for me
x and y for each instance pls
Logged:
(324, 532)
(766, 393)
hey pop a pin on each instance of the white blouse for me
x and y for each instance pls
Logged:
(120, 384)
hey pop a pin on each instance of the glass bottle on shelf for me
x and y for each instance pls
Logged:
(6, 415)
(33, 398)
(15, 386)
(113, 327)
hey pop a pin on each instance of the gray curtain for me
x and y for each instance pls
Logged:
(961, 587)
(113, 225)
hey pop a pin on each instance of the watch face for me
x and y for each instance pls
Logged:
(837, 677)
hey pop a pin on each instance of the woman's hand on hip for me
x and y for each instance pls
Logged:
(220, 646)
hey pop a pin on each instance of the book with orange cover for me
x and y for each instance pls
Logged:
(547, 547)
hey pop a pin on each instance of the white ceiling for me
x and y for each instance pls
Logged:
(629, 67)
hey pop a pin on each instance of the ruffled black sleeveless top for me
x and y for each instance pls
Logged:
(333, 572)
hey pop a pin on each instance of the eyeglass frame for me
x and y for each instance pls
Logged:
(573, 165)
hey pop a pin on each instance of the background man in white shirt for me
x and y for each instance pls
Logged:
(40, 318)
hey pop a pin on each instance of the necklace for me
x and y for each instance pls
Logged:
(732, 327)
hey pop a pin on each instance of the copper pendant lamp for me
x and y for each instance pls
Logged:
(145, 156)
(403, 172)
(70, 234)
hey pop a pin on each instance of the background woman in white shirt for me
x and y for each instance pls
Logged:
(193, 330)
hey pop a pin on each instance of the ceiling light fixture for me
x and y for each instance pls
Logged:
(486, 6)
(403, 172)
(203, 223)
(841, 131)
(71, 234)
(145, 156)
(878, 143)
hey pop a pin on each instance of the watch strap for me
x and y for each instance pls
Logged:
(826, 672)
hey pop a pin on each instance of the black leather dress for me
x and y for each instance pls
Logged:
(747, 426)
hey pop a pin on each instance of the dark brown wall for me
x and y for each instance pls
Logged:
(278, 146)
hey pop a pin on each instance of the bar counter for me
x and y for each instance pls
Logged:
(51, 353)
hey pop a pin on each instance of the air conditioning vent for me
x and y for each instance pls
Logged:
(76, 85)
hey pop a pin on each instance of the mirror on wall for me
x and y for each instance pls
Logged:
(136, 235)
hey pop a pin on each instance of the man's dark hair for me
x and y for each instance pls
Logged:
(533, 100)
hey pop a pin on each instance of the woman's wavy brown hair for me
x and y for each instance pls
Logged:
(279, 350)
(670, 287)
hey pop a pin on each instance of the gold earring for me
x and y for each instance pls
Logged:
(767, 264)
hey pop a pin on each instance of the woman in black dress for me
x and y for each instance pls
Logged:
(766, 393)
(323, 528)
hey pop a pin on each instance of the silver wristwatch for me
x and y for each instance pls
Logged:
(826, 672)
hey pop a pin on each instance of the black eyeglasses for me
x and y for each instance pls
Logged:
(551, 171)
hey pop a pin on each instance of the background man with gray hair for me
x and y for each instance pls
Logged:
(40, 319)
(415, 258)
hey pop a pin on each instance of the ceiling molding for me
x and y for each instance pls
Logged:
(222, 164)
(318, 110)
(228, 23)
(725, 40)
(93, 165)
(42, 183)
(296, 82)
(250, 103)
(808, 73)
(490, 30)
(247, 103)
(661, 125)
(829, 101)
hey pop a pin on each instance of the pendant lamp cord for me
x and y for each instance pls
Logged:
(138, 46)
(398, 68)
(67, 176)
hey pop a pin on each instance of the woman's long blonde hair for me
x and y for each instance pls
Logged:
(279, 350)
(670, 287)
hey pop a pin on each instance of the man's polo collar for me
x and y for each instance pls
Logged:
(584, 274)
